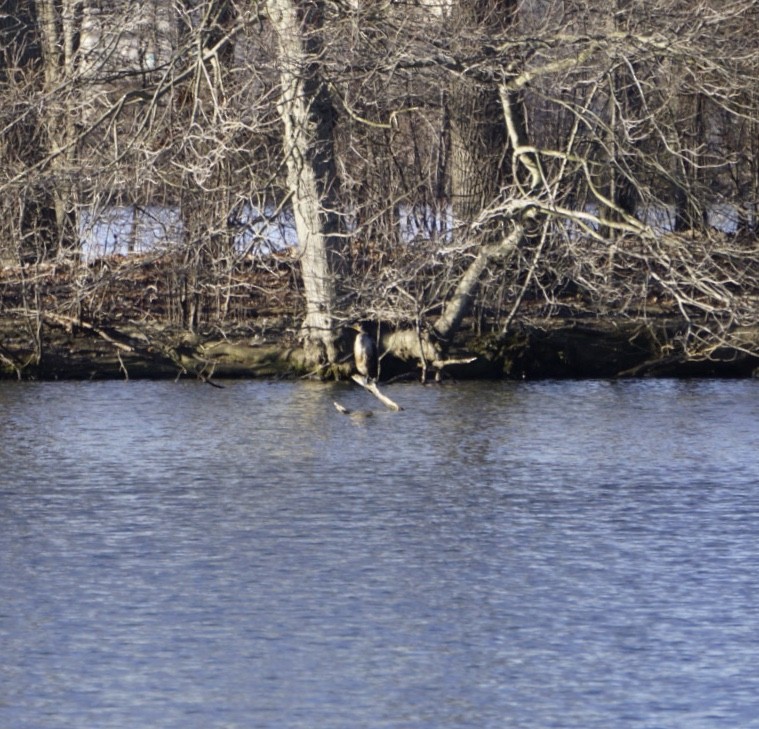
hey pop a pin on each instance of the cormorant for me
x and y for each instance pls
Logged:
(364, 353)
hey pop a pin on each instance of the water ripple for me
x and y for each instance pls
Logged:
(497, 555)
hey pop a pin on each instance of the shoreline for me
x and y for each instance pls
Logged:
(54, 347)
(135, 318)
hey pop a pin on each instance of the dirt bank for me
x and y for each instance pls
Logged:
(55, 347)
(133, 318)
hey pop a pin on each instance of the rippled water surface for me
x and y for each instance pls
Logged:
(572, 555)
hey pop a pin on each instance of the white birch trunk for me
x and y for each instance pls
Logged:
(307, 115)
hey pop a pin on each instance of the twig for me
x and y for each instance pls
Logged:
(122, 366)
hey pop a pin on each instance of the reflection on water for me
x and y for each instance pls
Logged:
(497, 555)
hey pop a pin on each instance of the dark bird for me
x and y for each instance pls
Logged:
(364, 353)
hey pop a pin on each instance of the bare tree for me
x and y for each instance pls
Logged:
(308, 118)
(433, 161)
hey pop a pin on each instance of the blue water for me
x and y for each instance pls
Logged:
(577, 554)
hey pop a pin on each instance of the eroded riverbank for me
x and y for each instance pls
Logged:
(128, 319)
(52, 347)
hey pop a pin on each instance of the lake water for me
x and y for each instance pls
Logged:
(528, 555)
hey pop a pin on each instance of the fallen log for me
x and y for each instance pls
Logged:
(371, 387)
(140, 347)
(357, 413)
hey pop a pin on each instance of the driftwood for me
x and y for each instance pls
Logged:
(408, 345)
(438, 364)
(371, 386)
(69, 322)
(129, 344)
(357, 413)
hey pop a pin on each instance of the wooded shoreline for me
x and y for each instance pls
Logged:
(127, 318)
(491, 189)
(54, 347)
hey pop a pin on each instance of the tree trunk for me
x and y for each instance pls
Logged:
(58, 31)
(622, 106)
(478, 137)
(478, 143)
(308, 117)
(458, 305)
(479, 164)
(690, 211)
